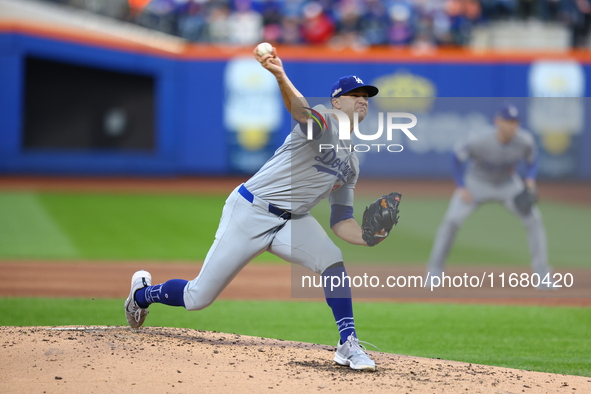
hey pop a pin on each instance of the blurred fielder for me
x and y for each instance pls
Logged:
(271, 212)
(484, 168)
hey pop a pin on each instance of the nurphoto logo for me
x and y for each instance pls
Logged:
(391, 119)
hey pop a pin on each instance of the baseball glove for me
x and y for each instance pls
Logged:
(525, 200)
(382, 214)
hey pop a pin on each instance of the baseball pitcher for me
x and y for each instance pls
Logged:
(271, 212)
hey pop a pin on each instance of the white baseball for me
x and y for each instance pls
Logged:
(264, 48)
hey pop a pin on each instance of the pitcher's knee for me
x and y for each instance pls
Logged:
(196, 298)
(198, 304)
(330, 257)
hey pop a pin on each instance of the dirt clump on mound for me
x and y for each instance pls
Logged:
(173, 360)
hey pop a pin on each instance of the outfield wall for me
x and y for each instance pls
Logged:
(71, 103)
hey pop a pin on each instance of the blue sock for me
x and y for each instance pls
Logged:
(168, 293)
(339, 299)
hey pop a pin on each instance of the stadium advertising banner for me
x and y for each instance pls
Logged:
(112, 109)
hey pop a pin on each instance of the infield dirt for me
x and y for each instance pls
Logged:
(173, 360)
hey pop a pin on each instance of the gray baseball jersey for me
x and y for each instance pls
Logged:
(300, 174)
(491, 177)
(295, 179)
(494, 162)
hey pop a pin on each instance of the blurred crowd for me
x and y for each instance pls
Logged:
(339, 23)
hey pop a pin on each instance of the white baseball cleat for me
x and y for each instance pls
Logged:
(134, 314)
(353, 354)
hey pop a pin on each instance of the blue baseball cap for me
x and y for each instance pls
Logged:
(349, 82)
(508, 112)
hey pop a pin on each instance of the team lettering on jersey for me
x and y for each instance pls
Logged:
(334, 166)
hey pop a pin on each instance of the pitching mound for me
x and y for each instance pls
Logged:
(157, 360)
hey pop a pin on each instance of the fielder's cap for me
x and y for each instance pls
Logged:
(349, 82)
(508, 112)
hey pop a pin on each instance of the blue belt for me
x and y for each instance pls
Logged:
(272, 208)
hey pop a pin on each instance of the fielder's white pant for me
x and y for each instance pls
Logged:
(245, 231)
(483, 192)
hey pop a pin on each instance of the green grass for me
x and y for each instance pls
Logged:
(547, 339)
(74, 226)
(28, 230)
(106, 226)
(490, 236)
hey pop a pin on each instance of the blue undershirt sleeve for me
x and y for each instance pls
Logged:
(458, 168)
(531, 169)
(339, 213)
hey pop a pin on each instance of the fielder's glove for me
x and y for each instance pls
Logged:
(525, 200)
(382, 214)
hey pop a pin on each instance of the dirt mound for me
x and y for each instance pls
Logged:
(158, 360)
